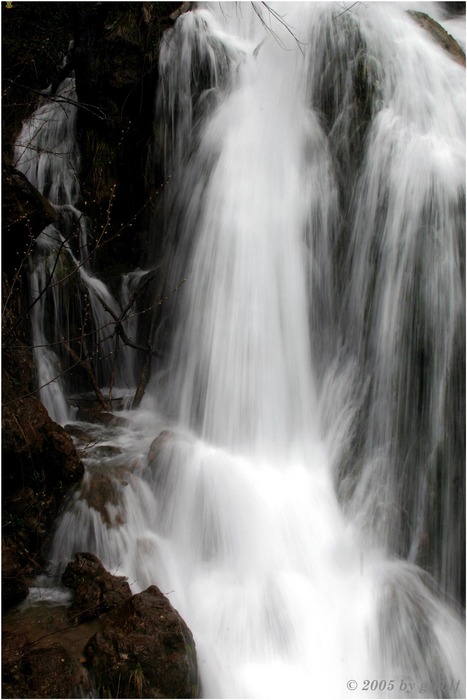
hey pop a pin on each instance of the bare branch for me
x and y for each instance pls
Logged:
(280, 19)
(346, 10)
(85, 363)
(60, 99)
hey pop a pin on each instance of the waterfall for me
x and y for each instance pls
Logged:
(293, 479)
(69, 304)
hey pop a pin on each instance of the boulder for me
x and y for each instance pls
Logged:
(100, 491)
(96, 591)
(37, 452)
(158, 444)
(145, 650)
(131, 646)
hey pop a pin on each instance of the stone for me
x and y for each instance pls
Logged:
(158, 444)
(103, 493)
(39, 450)
(145, 650)
(96, 591)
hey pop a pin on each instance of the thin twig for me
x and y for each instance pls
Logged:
(95, 111)
(280, 19)
(346, 10)
(86, 365)
(46, 287)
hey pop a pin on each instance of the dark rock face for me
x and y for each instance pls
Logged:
(115, 61)
(39, 466)
(36, 452)
(145, 650)
(96, 591)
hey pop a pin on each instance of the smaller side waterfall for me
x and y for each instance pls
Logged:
(73, 313)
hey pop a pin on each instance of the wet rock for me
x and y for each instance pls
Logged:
(143, 647)
(39, 466)
(79, 434)
(347, 89)
(440, 35)
(158, 444)
(107, 451)
(40, 452)
(115, 57)
(96, 591)
(145, 650)
(35, 672)
(102, 493)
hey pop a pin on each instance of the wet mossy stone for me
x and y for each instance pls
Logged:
(145, 650)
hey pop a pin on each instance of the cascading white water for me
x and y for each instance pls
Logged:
(62, 284)
(404, 295)
(316, 182)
